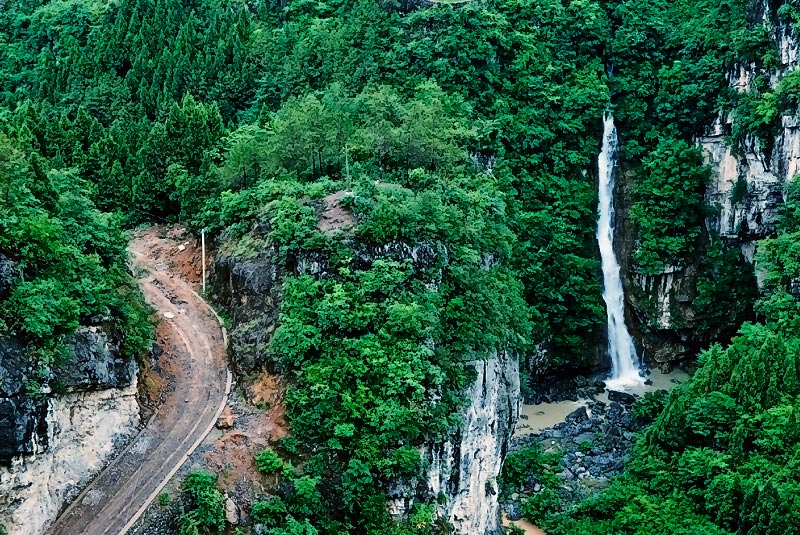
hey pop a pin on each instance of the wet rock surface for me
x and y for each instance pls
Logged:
(592, 443)
(22, 417)
(95, 364)
(25, 390)
(552, 389)
(9, 273)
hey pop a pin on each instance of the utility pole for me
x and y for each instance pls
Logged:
(347, 164)
(203, 241)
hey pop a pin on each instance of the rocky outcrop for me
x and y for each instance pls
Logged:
(9, 273)
(249, 288)
(248, 284)
(82, 432)
(94, 364)
(52, 444)
(463, 469)
(23, 429)
(743, 197)
(592, 442)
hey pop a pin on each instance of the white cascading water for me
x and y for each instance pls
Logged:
(624, 362)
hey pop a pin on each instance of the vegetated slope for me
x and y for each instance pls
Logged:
(166, 105)
(480, 126)
(378, 328)
(721, 457)
(236, 94)
(62, 264)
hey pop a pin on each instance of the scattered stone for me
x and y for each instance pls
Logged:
(168, 315)
(226, 419)
(592, 442)
(231, 511)
(181, 247)
(621, 397)
(577, 416)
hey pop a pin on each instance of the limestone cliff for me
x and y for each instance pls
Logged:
(462, 469)
(743, 200)
(52, 444)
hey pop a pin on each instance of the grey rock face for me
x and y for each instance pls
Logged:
(9, 274)
(22, 418)
(250, 290)
(465, 467)
(745, 195)
(96, 365)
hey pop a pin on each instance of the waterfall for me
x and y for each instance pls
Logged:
(624, 363)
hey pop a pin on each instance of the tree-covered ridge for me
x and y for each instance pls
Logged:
(721, 457)
(63, 260)
(468, 131)
(376, 341)
(165, 105)
(311, 77)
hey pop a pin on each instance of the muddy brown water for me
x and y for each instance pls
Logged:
(537, 418)
(526, 526)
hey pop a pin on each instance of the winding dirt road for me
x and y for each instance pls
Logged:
(120, 494)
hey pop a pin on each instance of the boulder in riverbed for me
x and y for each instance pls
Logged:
(621, 397)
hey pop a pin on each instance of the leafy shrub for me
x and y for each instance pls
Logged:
(539, 506)
(207, 505)
(269, 512)
(649, 406)
(268, 462)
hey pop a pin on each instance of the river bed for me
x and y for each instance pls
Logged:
(536, 418)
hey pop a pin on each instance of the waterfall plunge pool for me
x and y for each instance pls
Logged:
(536, 418)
